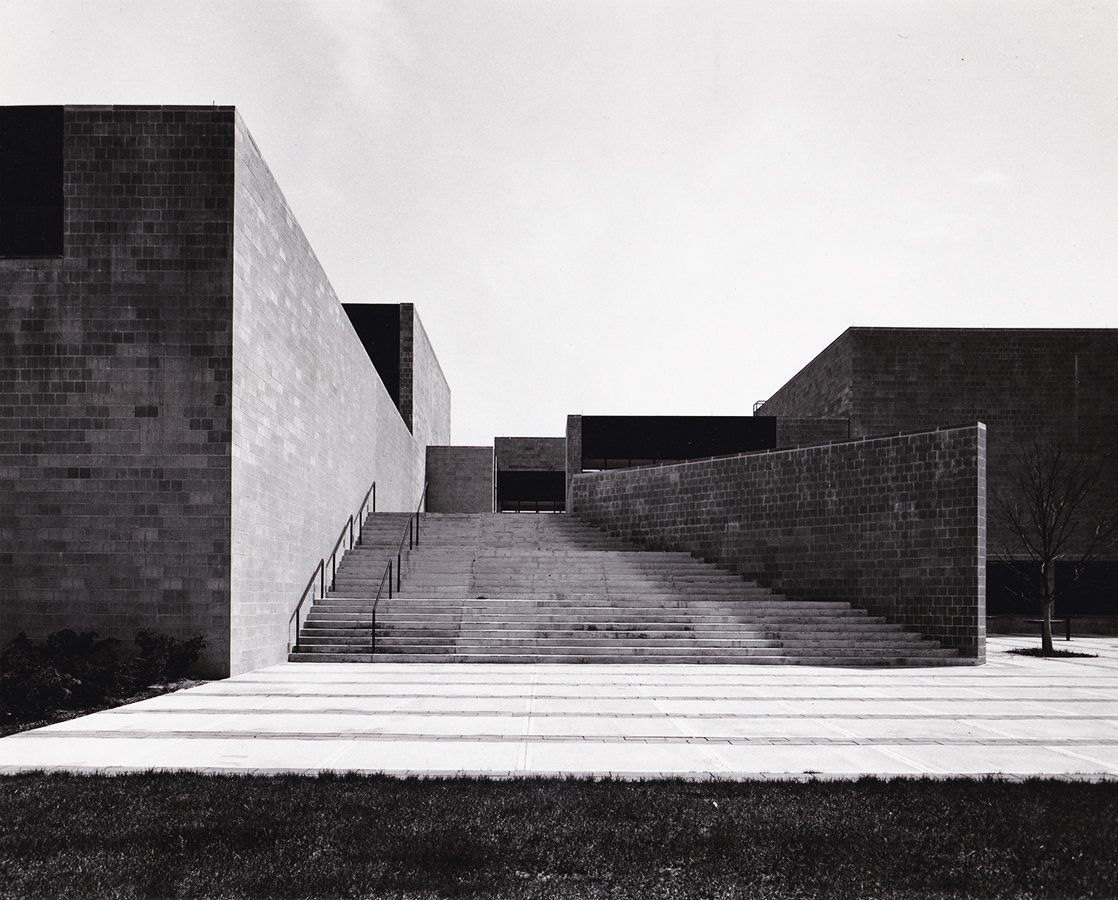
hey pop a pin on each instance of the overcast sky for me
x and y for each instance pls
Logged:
(609, 207)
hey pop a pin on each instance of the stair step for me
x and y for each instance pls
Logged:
(575, 659)
(501, 588)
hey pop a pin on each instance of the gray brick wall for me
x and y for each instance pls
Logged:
(895, 525)
(574, 454)
(1056, 384)
(407, 357)
(313, 425)
(186, 416)
(793, 432)
(824, 388)
(460, 479)
(115, 365)
(531, 454)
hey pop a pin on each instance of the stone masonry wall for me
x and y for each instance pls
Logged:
(895, 525)
(460, 479)
(530, 454)
(791, 432)
(574, 454)
(429, 393)
(313, 424)
(1052, 384)
(115, 386)
(824, 388)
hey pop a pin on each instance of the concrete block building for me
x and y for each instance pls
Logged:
(187, 414)
(1051, 386)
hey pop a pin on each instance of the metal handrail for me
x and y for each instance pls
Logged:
(412, 534)
(349, 527)
(320, 576)
(320, 570)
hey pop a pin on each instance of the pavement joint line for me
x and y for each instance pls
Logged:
(746, 681)
(625, 695)
(600, 739)
(589, 714)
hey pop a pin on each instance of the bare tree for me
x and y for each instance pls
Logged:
(1054, 508)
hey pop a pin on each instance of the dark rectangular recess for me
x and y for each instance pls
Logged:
(531, 491)
(31, 194)
(1009, 591)
(1006, 590)
(1093, 593)
(612, 441)
(378, 327)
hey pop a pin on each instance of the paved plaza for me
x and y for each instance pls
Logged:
(1015, 717)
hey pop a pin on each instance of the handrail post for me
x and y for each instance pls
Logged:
(373, 634)
(374, 496)
(417, 528)
(322, 578)
(390, 579)
(410, 539)
(398, 568)
(297, 629)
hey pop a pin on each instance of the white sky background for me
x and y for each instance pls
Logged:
(608, 207)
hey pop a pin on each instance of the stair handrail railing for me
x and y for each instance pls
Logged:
(412, 534)
(319, 574)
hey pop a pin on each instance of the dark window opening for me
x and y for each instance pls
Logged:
(31, 205)
(378, 327)
(614, 442)
(531, 491)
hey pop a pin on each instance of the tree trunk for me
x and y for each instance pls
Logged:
(1049, 602)
(1046, 633)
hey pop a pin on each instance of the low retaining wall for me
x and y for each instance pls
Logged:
(895, 525)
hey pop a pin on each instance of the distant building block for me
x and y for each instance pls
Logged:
(531, 474)
(459, 479)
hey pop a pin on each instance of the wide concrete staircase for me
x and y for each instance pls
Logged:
(500, 588)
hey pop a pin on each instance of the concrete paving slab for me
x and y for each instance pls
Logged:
(580, 726)
(999, 759)
(820, 759)
(100, 754)
(627, 758)
(1016, 716)
(1086, 729)
(932, 729)
(755, 727)
(433, 757)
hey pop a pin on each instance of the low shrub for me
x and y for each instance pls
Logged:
(80, 671)
(96, 666)
(164, 658)
(29, 685)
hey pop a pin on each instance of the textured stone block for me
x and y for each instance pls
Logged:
(893, 525)
(460, 479)
(186, 417)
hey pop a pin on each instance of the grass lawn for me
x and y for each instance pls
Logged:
(291, 836)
